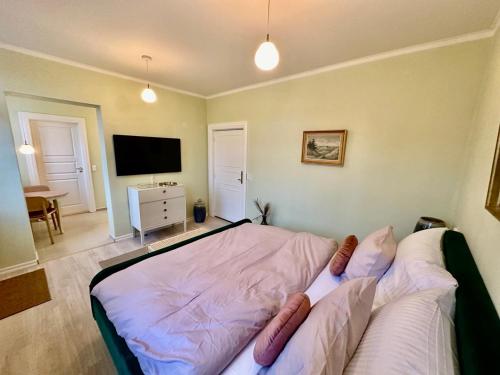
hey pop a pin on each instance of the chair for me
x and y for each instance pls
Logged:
(35, 188)
(39, 210)
(32, 188)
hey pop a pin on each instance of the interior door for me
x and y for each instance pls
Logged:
(60, 162)
(229, 174)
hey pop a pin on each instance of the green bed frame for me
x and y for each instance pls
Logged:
(477, 324)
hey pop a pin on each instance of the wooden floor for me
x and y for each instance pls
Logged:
(60, 336)
(81, 232)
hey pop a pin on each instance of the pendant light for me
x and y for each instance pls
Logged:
(26, 148)
(148, 95)
(267, 56)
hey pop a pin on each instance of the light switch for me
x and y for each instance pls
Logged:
(94, 168)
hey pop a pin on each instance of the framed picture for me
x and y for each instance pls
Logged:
(493, 197)
(324, 147)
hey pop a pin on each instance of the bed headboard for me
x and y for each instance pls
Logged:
(477, 324)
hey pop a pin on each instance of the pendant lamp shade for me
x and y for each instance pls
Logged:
(267, 56)
(26, 149)
(148, 95)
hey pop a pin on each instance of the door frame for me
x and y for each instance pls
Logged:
(212, 128)
(24, 124)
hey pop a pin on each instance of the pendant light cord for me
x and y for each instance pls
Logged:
(268, 7)
(147, 70)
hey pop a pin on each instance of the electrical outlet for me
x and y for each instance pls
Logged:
(94, 168)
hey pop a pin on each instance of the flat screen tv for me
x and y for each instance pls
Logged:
(146, 155)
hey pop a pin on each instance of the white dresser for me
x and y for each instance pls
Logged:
(154, 207)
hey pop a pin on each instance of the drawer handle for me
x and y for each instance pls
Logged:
(164, 210)
(165, 202)
(165, 217)
(164, 191)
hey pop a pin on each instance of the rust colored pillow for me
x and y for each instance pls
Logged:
(273, 338)
(343, 254)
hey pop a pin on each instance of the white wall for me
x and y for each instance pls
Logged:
(408, 118)
(480, 227)
(120, 110)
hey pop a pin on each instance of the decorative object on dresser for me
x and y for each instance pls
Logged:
(427, 222)
(324, 147)
(153, 207)
(199, 211)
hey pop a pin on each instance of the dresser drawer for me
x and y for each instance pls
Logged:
(176, 209)
(164, 212)
(151, 195)
(153, 214)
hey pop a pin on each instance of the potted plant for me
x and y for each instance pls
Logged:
(264, 211)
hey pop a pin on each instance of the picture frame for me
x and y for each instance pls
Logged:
(326, 147)
(493, 196)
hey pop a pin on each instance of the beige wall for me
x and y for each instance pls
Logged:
(481, 228)
(408, 118)
(21, 104)
(122, 111)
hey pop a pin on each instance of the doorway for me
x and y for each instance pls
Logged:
(62, 159)
(227, 156)
(66, 169)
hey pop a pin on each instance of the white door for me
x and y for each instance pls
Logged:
(60, 163)
(229, 174)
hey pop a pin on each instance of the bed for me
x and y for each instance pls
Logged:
(476, 320)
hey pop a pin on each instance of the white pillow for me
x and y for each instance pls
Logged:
(373, 256)
(412, 335)
(406, 278)
(418, 265)
(422, 245)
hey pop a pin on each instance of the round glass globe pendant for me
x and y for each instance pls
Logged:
(26, 149)
(267, 56)
(148, 95)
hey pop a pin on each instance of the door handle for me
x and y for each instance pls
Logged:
(79, 169)
(241, 178)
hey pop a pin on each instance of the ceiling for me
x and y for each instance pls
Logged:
(207, 46)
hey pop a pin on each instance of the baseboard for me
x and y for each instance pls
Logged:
(122, 237)
(19, 266)
(131, 235)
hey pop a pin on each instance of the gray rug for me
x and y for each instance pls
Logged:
(153, 247)
(122, 258)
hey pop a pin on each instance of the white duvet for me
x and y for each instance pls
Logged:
(192, 310)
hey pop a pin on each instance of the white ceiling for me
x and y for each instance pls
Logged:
(207, 46)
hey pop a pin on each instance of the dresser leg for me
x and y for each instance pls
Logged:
(142, 237)
(185, 225)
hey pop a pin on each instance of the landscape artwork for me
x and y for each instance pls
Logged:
(324, 147)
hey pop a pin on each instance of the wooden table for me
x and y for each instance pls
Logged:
(50, 195)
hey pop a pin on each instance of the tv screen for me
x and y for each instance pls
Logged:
(146, 155)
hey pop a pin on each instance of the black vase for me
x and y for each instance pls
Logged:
(427, 222)
(200, 214)
(264, 220)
